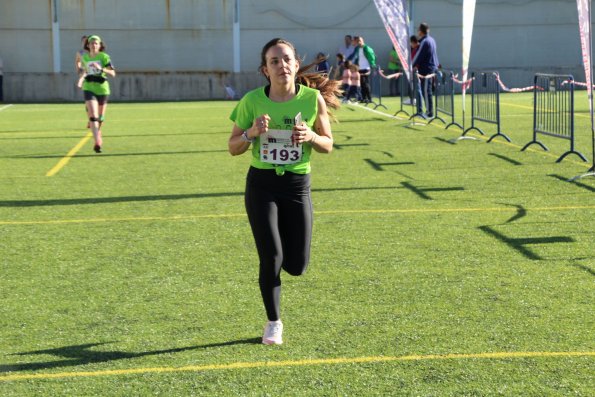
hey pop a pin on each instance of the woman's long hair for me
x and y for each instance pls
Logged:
(329, 88)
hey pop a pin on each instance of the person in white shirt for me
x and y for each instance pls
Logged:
(348, 47)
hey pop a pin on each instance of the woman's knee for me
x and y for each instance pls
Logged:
(296, 266)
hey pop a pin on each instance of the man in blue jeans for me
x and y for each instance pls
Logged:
(425, 63)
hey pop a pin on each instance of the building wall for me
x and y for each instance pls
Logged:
(183, 49)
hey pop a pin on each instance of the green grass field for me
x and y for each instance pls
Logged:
(437, 269)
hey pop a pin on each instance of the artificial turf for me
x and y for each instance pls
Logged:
(438, 268)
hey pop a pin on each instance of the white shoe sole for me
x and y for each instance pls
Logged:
(271, 342)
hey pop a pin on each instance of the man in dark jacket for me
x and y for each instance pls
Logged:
(425, 62)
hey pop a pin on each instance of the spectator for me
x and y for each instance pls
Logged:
(348, 47)
(338, 73)
(414, 43)
(426, 63)
(346, 78)
(364, 56)
(354, 84)
(322, 65)
(394, 65)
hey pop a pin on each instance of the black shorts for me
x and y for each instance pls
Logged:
(89, 96)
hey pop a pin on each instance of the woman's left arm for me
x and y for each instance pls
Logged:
(321, 138)
(109, 70)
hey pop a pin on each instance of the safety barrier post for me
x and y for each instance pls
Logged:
(375, 89)
(404, 92)
(553, 111)
(485, 103)
(426, 85)
(445, 93)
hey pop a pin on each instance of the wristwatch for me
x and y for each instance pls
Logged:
(245, 137)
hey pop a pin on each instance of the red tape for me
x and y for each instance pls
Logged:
(515, 90)
(390, 76)
(577, 83)
(465, 84)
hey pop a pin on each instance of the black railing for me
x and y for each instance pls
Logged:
(553, 111)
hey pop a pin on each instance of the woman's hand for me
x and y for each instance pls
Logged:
(238, 144)
(259, 126)
(301, 134)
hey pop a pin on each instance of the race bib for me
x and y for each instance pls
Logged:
(277, 147)
(94, 68)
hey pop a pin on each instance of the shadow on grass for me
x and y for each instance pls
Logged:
(584, 268)
(53, 156)
(521, 212)
(363, 120)
(340, 146)
(165, 197)
(505, 158)
(421, 192)
(77, 135)
(82, 354)
(576, 183)
(519, 244)
(444, 140)
(380, 166)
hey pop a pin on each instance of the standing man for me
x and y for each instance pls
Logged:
(364, 57)
(348, 48)
(425, 62)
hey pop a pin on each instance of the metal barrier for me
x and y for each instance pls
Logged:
(405, 92)
(553, 110)
(426, 85)
(375, 89)
(445, 93)
(485, 103)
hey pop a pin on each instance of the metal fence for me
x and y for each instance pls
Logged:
(485, 103)
(553, 110)
(422, 84)
(375, 89)
(406, 95)
(445, 93)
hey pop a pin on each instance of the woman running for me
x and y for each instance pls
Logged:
(97, 65)
(283, 122)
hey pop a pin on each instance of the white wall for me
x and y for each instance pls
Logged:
(162, 38)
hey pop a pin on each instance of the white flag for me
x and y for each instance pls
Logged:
(584, 24)
(468, 16)
(396, 21)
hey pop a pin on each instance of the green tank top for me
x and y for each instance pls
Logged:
(93, 66)
(256, 103)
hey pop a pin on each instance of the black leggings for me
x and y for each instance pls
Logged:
(280, 213)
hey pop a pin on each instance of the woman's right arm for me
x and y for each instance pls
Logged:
(238, 144)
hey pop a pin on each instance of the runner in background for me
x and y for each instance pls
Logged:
(283, 122)
(78, 66)
(97, 65)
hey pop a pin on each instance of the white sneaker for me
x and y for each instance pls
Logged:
(273, 330)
